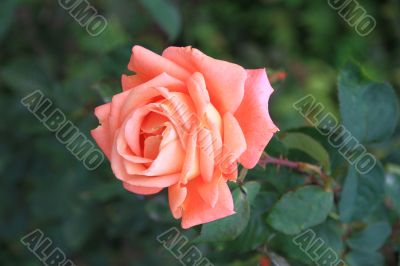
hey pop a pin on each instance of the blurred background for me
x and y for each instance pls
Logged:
(87, 213)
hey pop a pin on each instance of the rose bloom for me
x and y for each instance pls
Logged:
(183, 122)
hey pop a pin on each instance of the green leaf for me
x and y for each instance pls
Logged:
(277, 260)
(301, 209)
(166, 15)
(232, 226)
(282, 179)
(392, 190)
(251, 189)
(284, 245)
(348, 196)
(331, 232)
(363, 258)
(370, 238)
(369, 110)
(320, 243)
(276, 147)
(337, 161)
(308, 145)
(264, 201)
(256, 231)
(361, 194)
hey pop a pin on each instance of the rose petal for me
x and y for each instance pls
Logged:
(196, 211)
(101, 134)
(191, 168)
(259, 129)
(231, 173)
(209, 191)
(214, 122)
(197, 89)
(171, 156)
(153, 123)
(144, 93)
(142, 190)
(132, 130)
(133, 168)
(225, 81)
(129, 82)
(157, 181)
(126, 153)
(150, 64)
(151, 146)
(166, 81)
(176, 197)
(180, 109)
(102, 137)
(234, 140)
(102, 112)
(206, 154)
(139, 180)
(115, 117)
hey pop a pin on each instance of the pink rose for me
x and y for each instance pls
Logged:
(182, 122)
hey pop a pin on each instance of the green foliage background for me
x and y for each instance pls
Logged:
(95, 222)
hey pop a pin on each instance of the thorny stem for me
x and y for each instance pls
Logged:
(299, 166)
(242, 175)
